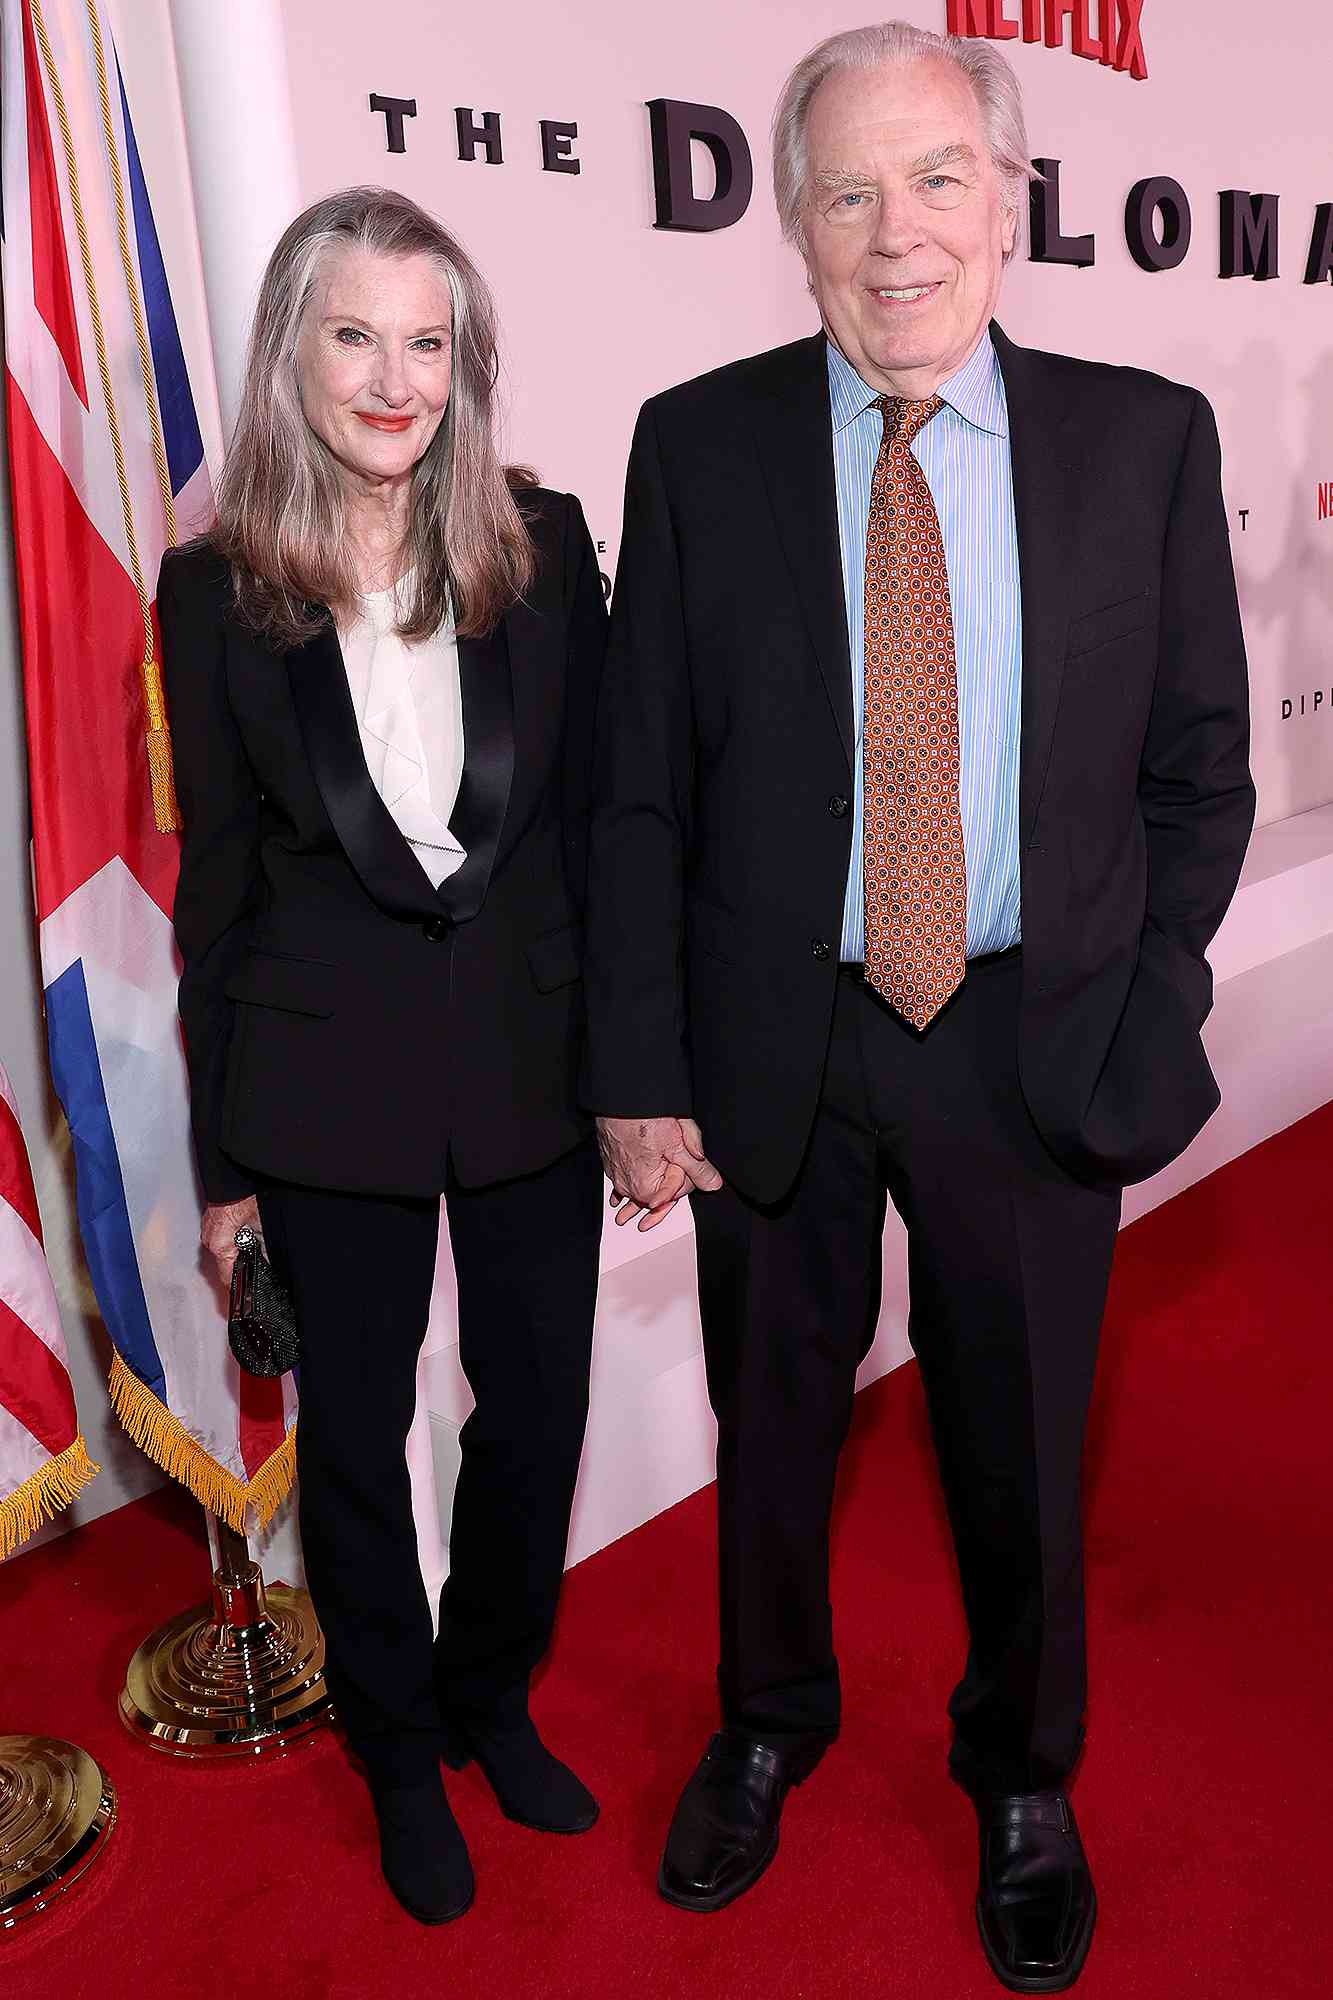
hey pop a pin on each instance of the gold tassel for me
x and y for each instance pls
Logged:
(162, 778)
(164, 1439)
(40, 1498)
(166, 811)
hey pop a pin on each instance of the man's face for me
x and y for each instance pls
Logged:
(905, 227)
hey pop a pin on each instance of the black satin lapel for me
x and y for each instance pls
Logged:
(488, 768)
(795, 438)
(1046, 511)
(363, 823)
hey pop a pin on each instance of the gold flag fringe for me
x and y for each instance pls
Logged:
(41, 1497)
(161, 775)
(164, 1439)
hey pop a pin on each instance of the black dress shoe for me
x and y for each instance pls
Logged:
(422, 1853)
(1035, 1902)
(724, 1831)
(533, 1787)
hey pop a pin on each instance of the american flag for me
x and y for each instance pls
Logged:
(44, 1463)
(108, 468)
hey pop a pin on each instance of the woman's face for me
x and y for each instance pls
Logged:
(373, 361)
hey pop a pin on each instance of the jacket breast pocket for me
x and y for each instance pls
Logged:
(294, 985)
(556, 958)
(1114, 621)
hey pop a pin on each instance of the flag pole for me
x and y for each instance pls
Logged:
(57, 1806)
(239, 1676)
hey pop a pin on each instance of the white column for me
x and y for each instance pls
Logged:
(232, 64)
(236, 97)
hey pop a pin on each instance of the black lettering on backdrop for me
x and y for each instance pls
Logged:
(1158, 221)
(483, 132)
(1319, 264)
(558, 136)
(1249, 234)
(1160, 196)
(673, 125)
(1047, 245)
(395, 109)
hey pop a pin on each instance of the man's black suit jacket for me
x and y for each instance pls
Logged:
(348, 1026)
(722, 827)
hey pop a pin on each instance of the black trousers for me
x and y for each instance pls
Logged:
(1009, 1261)
(360, 1269)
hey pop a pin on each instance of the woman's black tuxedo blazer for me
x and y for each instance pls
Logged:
(346, 1025)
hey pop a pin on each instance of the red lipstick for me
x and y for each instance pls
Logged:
(385, 423)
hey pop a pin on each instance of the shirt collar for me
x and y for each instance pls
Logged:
(975, 392)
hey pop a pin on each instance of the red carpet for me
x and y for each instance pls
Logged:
(1203, 1796)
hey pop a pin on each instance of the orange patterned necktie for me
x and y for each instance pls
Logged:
(915, 871)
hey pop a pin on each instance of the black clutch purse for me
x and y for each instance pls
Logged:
(261, 1323)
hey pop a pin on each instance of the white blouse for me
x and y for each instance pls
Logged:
(408, 700)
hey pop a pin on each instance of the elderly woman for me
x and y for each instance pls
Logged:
(382, 669)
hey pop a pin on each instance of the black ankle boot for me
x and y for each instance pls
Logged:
(533, 1787)
(422, 1853)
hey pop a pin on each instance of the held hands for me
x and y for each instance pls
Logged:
(651, 1163)
(217, 1232)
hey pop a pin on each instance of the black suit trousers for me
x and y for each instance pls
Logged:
(1009, 1260)
(360, 1268)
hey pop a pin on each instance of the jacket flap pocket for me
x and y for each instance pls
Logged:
(714, 930)
(297, 985)
(1113, 621)
(556, 958)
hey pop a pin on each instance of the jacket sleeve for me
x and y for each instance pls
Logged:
(1195, 790)
(218, 887)
(637, 1064)
(585, 658)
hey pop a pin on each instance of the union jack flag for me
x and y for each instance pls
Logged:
(108, 468)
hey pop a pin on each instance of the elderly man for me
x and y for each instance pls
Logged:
(923, 787)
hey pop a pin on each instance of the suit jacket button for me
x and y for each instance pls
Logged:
(436, 928)
(818, 949)
(837, 805)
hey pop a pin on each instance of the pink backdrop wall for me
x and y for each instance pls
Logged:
(600, 309)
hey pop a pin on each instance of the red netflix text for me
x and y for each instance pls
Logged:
(1104, 31)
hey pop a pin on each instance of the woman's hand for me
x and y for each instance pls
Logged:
(217, 1232)
(651, 1163)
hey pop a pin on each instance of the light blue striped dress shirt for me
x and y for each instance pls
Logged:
(964, 453)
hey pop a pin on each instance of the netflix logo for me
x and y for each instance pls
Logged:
(1116, 40)
(1325, 502)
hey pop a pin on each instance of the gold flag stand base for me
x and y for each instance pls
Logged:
(56, 1810)
(240, 1677)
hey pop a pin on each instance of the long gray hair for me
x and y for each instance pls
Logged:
(280, 503)
(898, 43)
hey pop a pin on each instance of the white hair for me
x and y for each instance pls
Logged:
(899, 44)
(282, 501)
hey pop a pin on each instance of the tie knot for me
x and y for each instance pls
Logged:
(902, 420)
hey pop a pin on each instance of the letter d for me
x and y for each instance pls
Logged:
(673, 125)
